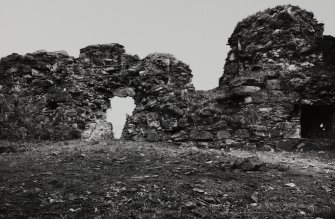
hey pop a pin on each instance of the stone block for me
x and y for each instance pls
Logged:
(273, 84)
(124, 92)
(242, 133)
(287, 144)
(222, 135)
(245, 90)
(200, 135)
(152, 136)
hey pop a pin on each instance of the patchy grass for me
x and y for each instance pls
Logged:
(140, 180)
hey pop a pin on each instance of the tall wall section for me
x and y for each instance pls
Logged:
(280, 64)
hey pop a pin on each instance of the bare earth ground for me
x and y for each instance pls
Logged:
(116, 179)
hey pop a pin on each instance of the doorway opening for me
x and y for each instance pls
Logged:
(117, 114)
(318, 121)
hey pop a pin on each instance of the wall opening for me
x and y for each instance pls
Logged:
(117, 114)
(318, 121)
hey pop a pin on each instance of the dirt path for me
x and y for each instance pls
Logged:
(141, 180)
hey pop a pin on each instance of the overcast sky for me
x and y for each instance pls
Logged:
(194, 31)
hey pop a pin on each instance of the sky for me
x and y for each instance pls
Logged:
(194, 31)
(116, 115)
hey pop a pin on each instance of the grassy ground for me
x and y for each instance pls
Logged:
(140, 180)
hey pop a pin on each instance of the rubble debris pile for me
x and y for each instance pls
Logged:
(280, 68)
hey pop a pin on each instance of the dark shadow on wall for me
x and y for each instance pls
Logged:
(328, 50)
(318, 121)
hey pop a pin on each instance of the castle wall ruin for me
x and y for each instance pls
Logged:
(277, 89)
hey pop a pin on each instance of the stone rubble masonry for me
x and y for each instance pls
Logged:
(50, 95)
(279, 61)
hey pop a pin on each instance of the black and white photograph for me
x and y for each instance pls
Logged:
(167, 109)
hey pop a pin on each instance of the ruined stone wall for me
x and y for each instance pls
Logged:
(54, 96)
(279, 63)
(161, 97)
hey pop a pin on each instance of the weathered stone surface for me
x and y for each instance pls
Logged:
(287, 144)
(242, 133)
(100, 129)
(152, 136)
(273, 84)
(222, 135)
(124, 92)
(183, 122)
(138, 137)
(200, 135)
(266, 148)
(245, 90)
(248, 164)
